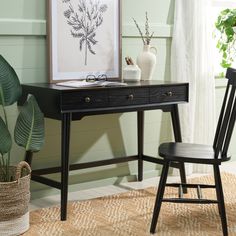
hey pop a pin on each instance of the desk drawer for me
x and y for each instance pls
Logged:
(169, 94)
(84, 100)
(124, 97)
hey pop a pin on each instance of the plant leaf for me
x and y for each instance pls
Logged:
(90, 48)
(10, 89)
(226, 37)
(29, 130)
(5, 138)
(81, 43)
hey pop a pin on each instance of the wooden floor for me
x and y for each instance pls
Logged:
(113, 189)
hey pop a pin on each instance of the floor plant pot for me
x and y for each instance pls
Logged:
(14, 201)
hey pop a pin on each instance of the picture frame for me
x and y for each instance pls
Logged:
(84, 39)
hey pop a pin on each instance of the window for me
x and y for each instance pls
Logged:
(218, 6)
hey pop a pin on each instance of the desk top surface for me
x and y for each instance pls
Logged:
(143, 83)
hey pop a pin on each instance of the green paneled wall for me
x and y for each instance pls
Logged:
(23, 44)
(23, 9)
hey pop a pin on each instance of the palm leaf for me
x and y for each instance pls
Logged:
(5, 138)
(10, 89)
(29, 130)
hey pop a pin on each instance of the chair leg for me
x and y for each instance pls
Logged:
(159, 197)
(183, 176)
(217, 192)
(220, 198)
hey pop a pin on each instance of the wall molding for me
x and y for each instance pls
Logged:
(221, 82)
(27, 27)
(22, 27)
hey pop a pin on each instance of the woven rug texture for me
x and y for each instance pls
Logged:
(130, 214)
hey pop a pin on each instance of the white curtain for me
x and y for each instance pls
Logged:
(192, 61)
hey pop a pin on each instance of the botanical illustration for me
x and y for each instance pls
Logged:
(84, 20)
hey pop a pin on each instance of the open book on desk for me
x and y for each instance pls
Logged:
(85, 84)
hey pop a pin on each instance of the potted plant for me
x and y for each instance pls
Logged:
(226, 25)
(28, 133)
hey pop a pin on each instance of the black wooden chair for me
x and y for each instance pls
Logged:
(201, 154)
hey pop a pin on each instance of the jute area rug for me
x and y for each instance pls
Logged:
(130, 214)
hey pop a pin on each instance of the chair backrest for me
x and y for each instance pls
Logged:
(227, 117)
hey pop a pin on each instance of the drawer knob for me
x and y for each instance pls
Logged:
(87, 99)
(131, 97)
(169, 94)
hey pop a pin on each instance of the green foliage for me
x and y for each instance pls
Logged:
(10, 89)
(29, 129)
(5, 138)
(227, 39)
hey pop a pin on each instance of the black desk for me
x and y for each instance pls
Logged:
(67, 104)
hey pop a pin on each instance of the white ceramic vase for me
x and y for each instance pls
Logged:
(147, 62)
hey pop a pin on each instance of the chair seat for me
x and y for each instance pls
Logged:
(189, 152)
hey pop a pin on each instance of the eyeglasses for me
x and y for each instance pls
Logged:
(93, 78)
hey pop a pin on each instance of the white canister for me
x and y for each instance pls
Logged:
(131, 73)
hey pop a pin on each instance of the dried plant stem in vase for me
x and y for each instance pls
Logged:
(147, 58)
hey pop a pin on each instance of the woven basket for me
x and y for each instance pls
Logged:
(14, 201)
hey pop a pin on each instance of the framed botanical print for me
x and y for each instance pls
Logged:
(84, 39)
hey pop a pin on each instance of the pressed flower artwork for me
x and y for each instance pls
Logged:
(84, 38)
(84, 22)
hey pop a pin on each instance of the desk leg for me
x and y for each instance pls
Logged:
(140, 121)
(65, 145)
(178, 138)
(176, 123)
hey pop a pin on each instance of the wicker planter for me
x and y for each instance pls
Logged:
(14, 200)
